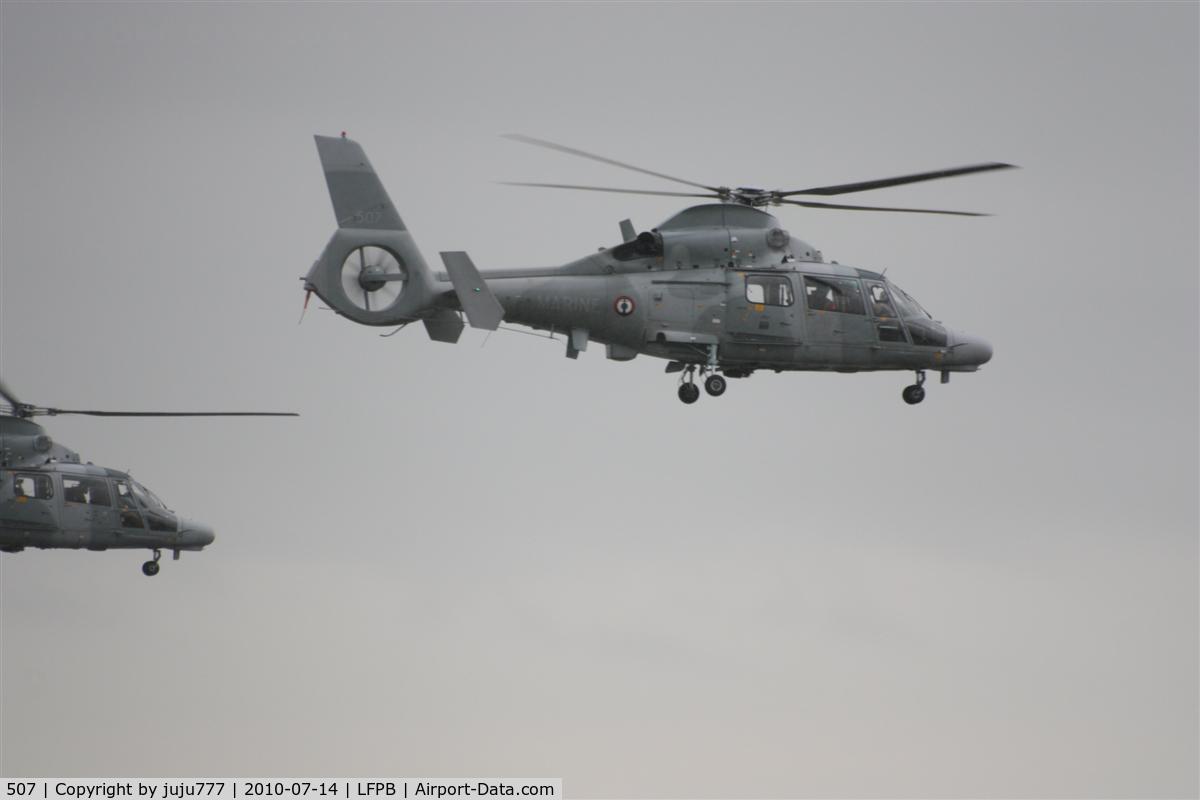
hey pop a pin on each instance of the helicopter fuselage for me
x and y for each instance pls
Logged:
(50, 500)
(719, 286)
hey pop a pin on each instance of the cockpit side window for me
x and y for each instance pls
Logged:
(34, 487)
(881, 302)
(769, 290)
(130, 518)
(85, 490)
(834, 294)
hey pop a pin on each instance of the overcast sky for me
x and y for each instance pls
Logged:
(488, 560)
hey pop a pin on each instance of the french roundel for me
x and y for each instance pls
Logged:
(624, 305)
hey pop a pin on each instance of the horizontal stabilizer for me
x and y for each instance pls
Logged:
(445, 326)
(482, 308)
(359, 199)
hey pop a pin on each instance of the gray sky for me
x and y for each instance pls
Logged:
(494, 561)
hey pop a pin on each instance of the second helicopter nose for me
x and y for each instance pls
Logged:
(195, 535)
(969, 349)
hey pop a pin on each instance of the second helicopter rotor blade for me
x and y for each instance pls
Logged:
(862, 186)
(53, 412)
(519, 137)
(607, 189)
(841, 207)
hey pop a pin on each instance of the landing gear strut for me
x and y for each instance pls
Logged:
(915, 393)
(150, 568)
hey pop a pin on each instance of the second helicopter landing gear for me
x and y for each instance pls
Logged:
(915, 393)
(150, 568)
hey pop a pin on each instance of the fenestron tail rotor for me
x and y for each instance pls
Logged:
(760, 197)
(373, 277)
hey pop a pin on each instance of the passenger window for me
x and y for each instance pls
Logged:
(881, 303)
(130, 518)
(769, 290)
(834, 294)
(35, 487)
(86, 491)
(891, 332)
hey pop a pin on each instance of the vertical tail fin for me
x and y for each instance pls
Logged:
(359, 199)
(371, 270)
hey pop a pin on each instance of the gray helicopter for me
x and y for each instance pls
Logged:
(719, 290)
(50, 499)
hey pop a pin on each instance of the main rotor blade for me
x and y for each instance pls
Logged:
(863, 186)
(808, 204)
(53, 412)
(518, 137)
(606, 189)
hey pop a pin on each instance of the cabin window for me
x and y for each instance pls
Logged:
(85, 490)
(130, 518)
(34, 487)
(769, 290)
(891, 332)
(881, 302)
(834, 294)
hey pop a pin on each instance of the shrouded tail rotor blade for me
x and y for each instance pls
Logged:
(91, 413)
(841, 207)
(846, 188)
(607, 189)
(518, 137)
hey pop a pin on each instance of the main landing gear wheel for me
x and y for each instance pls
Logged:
(689, 392)
(915, 393)
(150, 568)
(715, 385)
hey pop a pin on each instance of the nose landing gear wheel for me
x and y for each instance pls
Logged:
(715, 385)
(150, 568)
(689, 393)
(913, 394)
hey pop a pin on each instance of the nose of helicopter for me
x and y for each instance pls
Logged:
(969, 349)
(194, 535)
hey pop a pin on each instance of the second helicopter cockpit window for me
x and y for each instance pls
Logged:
(130, 517)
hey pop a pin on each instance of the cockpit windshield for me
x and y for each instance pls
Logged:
(907, 305)
(149, 499)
